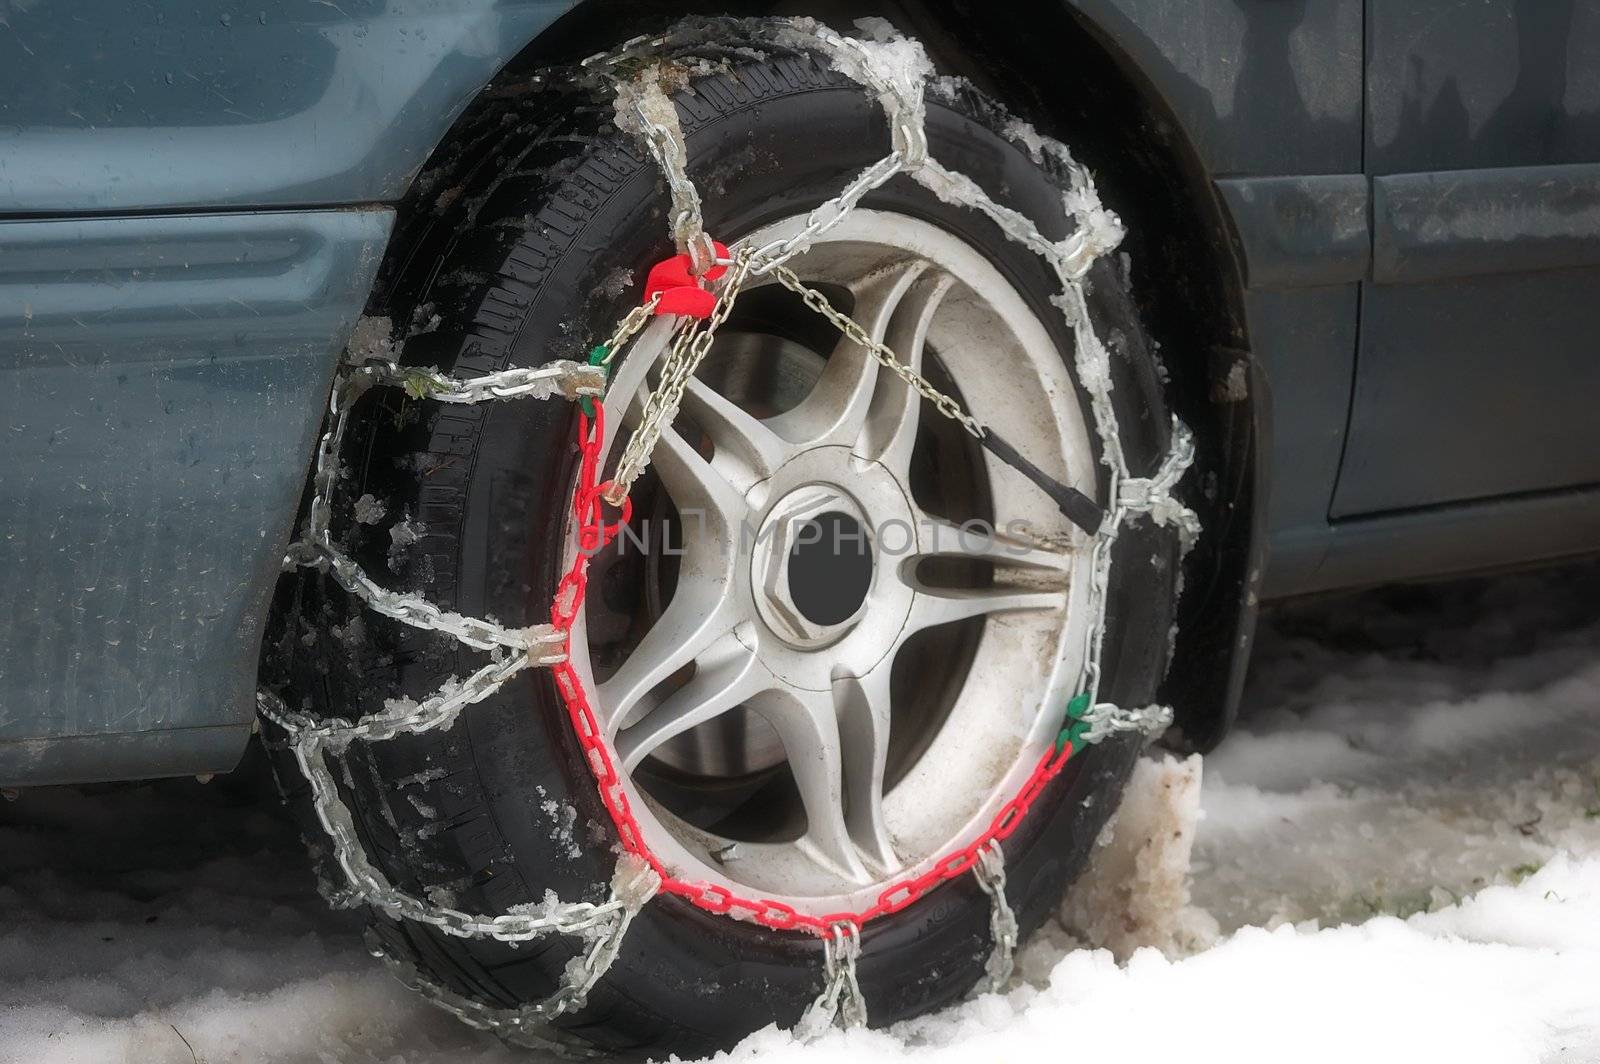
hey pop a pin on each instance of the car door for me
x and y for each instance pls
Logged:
(1477, 371)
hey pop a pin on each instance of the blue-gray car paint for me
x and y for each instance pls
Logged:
(164, 379)
(168, 344)
(1414, 192)
(161, 105)
(175, 291)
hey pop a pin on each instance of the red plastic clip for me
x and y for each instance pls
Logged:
(680, 290)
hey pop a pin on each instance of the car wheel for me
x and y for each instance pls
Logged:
(816, 682)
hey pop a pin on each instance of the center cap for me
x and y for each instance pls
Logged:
(830, 568)
(812, 566)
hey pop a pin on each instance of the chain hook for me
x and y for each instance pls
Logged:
(841, 1003)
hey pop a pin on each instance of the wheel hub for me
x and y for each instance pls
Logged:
(822, 562)
(812, 566)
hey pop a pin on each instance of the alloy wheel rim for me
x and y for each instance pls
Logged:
(742, 636)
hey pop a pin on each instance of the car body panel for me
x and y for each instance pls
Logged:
(162, 380)
(160, 105)
(1477, 374)
(1306, 246)
(1464, 538)
(1476, 84)
(1260, 87)
(1478, 359)
(1474, 388)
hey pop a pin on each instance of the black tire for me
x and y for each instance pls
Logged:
(506, 261)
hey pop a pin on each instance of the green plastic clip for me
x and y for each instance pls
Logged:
(597, 357)
(1074, 726)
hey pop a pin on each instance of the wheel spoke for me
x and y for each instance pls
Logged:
(836, 410)
(937, 537)
(891, 427)
(863, 708)
(713, 509)
(727, 674)
(808, 725)
(934, 606)
(701, 612)
(746, 450)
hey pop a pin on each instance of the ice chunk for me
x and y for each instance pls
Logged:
(369, 510)
(1135, 892)
(372, 340)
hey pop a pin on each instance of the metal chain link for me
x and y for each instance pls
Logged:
(527, 1026)
(633, 882)
(540, 642)
(631, 323)
(661, 408)
(825, 216)
(1153, 496)
(645, 110)
(366, 885)
(841, 1002)
(1105, 720)
(417, 612)
(859, 336)
(568, 379)
(990, 872)
(399, 716)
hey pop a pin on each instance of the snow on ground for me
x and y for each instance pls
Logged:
(1397, 858)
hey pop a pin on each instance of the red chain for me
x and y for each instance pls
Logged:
(594, 532)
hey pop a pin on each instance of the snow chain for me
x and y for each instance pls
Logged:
(991, 873)
(897, 72)
(841, 1002)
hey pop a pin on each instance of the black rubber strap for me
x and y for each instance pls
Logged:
(1074, 504)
